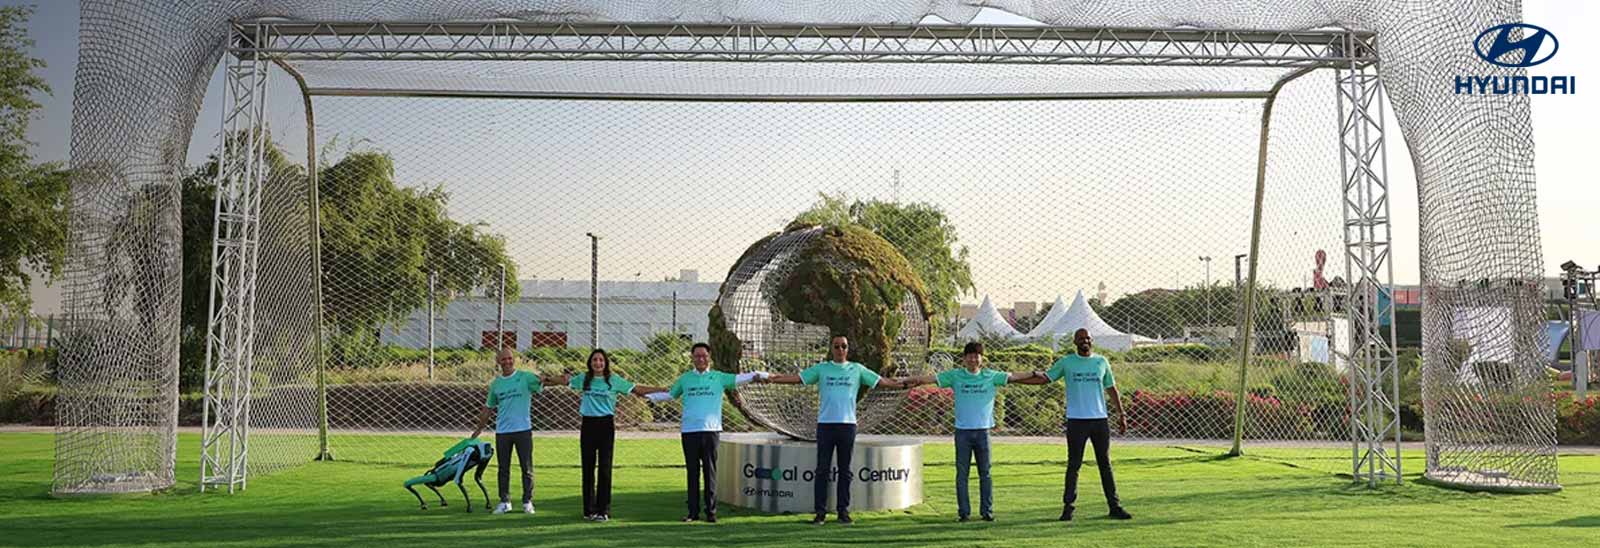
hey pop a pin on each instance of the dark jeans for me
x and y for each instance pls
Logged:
(970, 444)
(523, 443)
(833, 438)
(700, 457)
(1098, 432)
(596, 439)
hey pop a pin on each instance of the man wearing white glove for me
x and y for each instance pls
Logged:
(702, 390)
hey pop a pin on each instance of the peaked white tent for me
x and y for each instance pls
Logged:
(1063, 320)
(987, 323)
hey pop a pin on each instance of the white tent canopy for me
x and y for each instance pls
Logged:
(1063, 320)
(988, 323)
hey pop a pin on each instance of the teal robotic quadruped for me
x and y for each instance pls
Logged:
(464, 455)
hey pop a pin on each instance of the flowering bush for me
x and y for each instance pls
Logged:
(1577, 420)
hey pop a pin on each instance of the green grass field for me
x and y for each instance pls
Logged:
(1180, 497)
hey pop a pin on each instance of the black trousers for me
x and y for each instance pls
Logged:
(522, 442)
(840, 439)
(596, 440)
(700, 458)
(1098, 432)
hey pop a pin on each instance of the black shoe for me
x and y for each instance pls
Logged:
(987, 517)
(1119, 513)
(711, 518)
(844, 519)
(688, 519)
(1066, 514)
(820, 519)
(962, 519)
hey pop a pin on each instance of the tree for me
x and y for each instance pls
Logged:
(919, 231)
(33, 197)
(379, 242)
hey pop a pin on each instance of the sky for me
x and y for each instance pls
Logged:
(1053, 206)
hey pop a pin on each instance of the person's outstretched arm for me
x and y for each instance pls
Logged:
(1027, 377)
(888, 382)
(645, 391)
(555, 380)
(483, 420)
(783, 379)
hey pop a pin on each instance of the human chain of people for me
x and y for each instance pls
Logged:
(1089, 387)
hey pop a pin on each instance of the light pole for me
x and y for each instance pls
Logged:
(1206, 290)
(594, 290)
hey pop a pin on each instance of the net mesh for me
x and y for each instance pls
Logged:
(1045, 197)
(1043, 210)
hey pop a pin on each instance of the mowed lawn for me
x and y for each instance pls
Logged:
(1180, 496)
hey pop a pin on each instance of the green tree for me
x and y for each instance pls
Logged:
(919, 231)
(33, 197)
(379, 241)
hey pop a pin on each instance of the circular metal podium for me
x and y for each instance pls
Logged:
(774, 473)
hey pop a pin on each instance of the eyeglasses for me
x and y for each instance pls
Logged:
(841, 346)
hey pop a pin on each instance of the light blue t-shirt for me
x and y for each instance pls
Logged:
(702, 398)
(974, 393)
(837, 385)
(511, 396)
(600, 400)
(1087, 378)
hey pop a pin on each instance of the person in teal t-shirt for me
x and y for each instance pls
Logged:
(510, 398)
(974, 389)
(1088, 382)
(702, 390)
(597, 435)
(838, 380)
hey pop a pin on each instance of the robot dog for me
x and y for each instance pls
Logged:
(465, 454)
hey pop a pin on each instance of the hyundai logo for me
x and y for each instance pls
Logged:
(1501, 47)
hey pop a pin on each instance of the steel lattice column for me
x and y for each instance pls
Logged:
(1364, 192)
(224, 451)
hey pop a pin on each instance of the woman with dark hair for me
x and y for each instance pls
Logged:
(597, 436)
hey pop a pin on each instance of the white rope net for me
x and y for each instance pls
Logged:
(1045, 198)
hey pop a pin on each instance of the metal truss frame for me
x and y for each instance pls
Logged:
(527, 41)
(254, 44)
(230, 336)
(1364, 191)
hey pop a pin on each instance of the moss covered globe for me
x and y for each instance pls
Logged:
(790, 291)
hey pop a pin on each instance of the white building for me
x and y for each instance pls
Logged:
(556, 313)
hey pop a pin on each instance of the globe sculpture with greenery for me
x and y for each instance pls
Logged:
(790, 291)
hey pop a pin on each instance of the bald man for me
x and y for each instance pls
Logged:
(511, 399)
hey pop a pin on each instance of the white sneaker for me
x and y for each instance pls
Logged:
(502, 508)
(527, 508)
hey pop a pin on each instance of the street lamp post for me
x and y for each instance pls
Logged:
(1206, 290)
(594, 289)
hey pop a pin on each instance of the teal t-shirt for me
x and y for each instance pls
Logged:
(837, 385)
(600, 400)
(702, 398)
(1087, 378)
(974, 394)
(511, 396)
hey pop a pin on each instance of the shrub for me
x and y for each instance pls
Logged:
(1181, 352)
(1577, 420)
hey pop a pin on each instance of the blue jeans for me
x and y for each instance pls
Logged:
(969, 444)
(833, 438)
